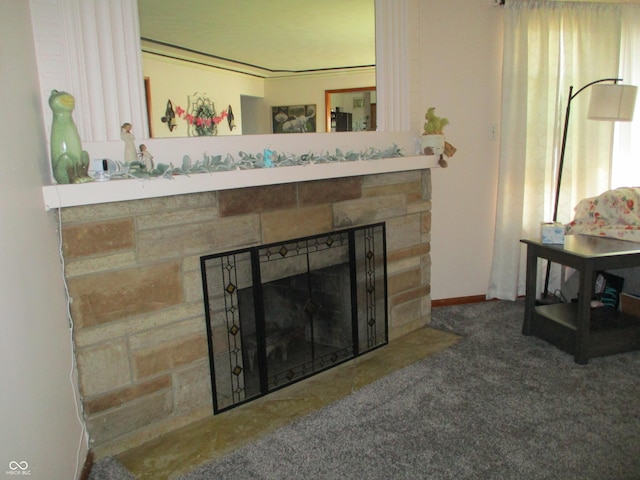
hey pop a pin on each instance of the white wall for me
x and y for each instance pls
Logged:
(460, 70)
(37, 408)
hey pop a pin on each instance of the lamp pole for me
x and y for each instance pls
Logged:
(561, 162)
(564, 139)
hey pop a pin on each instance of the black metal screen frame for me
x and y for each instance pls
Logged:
(360, 239)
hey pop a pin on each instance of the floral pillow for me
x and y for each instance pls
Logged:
(615, 213)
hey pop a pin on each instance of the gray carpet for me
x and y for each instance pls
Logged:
(498, 405)
(110, 469)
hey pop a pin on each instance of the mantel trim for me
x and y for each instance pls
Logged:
(60, 196)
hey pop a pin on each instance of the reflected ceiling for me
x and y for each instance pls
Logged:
(270, 36)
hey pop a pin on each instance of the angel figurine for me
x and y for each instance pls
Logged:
(129, 143)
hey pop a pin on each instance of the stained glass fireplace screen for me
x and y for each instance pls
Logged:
(279, 313)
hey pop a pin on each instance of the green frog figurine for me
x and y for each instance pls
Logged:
(70, 162)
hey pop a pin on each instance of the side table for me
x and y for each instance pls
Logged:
(577, 328)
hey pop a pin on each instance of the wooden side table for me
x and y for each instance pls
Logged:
(577, 328)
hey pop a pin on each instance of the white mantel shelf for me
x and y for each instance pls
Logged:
(172, 151)
(60, 196)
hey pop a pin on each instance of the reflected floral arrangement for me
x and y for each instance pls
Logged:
(200, 115)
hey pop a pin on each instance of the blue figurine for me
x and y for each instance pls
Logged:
(268, 158)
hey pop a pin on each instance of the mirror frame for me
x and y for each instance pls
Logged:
(327, 101)
(77, 30)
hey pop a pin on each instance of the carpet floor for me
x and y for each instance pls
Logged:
(497, 405)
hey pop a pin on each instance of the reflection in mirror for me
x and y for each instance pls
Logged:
(241, 59)
(351, 109)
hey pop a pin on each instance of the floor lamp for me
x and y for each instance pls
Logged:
(609, 101)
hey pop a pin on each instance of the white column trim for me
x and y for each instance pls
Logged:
(392, 37)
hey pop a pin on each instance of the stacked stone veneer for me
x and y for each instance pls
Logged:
(133, 273)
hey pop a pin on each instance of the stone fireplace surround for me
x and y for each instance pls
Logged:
(134, 278)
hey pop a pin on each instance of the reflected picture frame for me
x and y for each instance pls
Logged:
(294, 118)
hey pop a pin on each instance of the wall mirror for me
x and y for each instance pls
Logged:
(92, 49)
(236, 61)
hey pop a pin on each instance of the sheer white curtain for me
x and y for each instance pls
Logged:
(548, 46)
(91, 48)
(626, 153)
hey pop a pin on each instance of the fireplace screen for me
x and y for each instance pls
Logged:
(279, 313)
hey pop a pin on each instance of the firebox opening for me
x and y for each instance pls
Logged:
(279, 313)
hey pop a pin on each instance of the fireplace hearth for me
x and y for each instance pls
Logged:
(279, 313)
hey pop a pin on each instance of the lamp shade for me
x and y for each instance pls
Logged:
(613, 102)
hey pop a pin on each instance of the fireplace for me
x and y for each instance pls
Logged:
(279, 313)
(134, 273)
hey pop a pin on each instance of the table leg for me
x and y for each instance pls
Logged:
(583, 321)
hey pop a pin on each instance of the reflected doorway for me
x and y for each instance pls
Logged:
(351, 109)
(254, 120)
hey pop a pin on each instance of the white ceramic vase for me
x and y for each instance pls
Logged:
(432, 144)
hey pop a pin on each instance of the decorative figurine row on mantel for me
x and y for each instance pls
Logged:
(218, 163)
